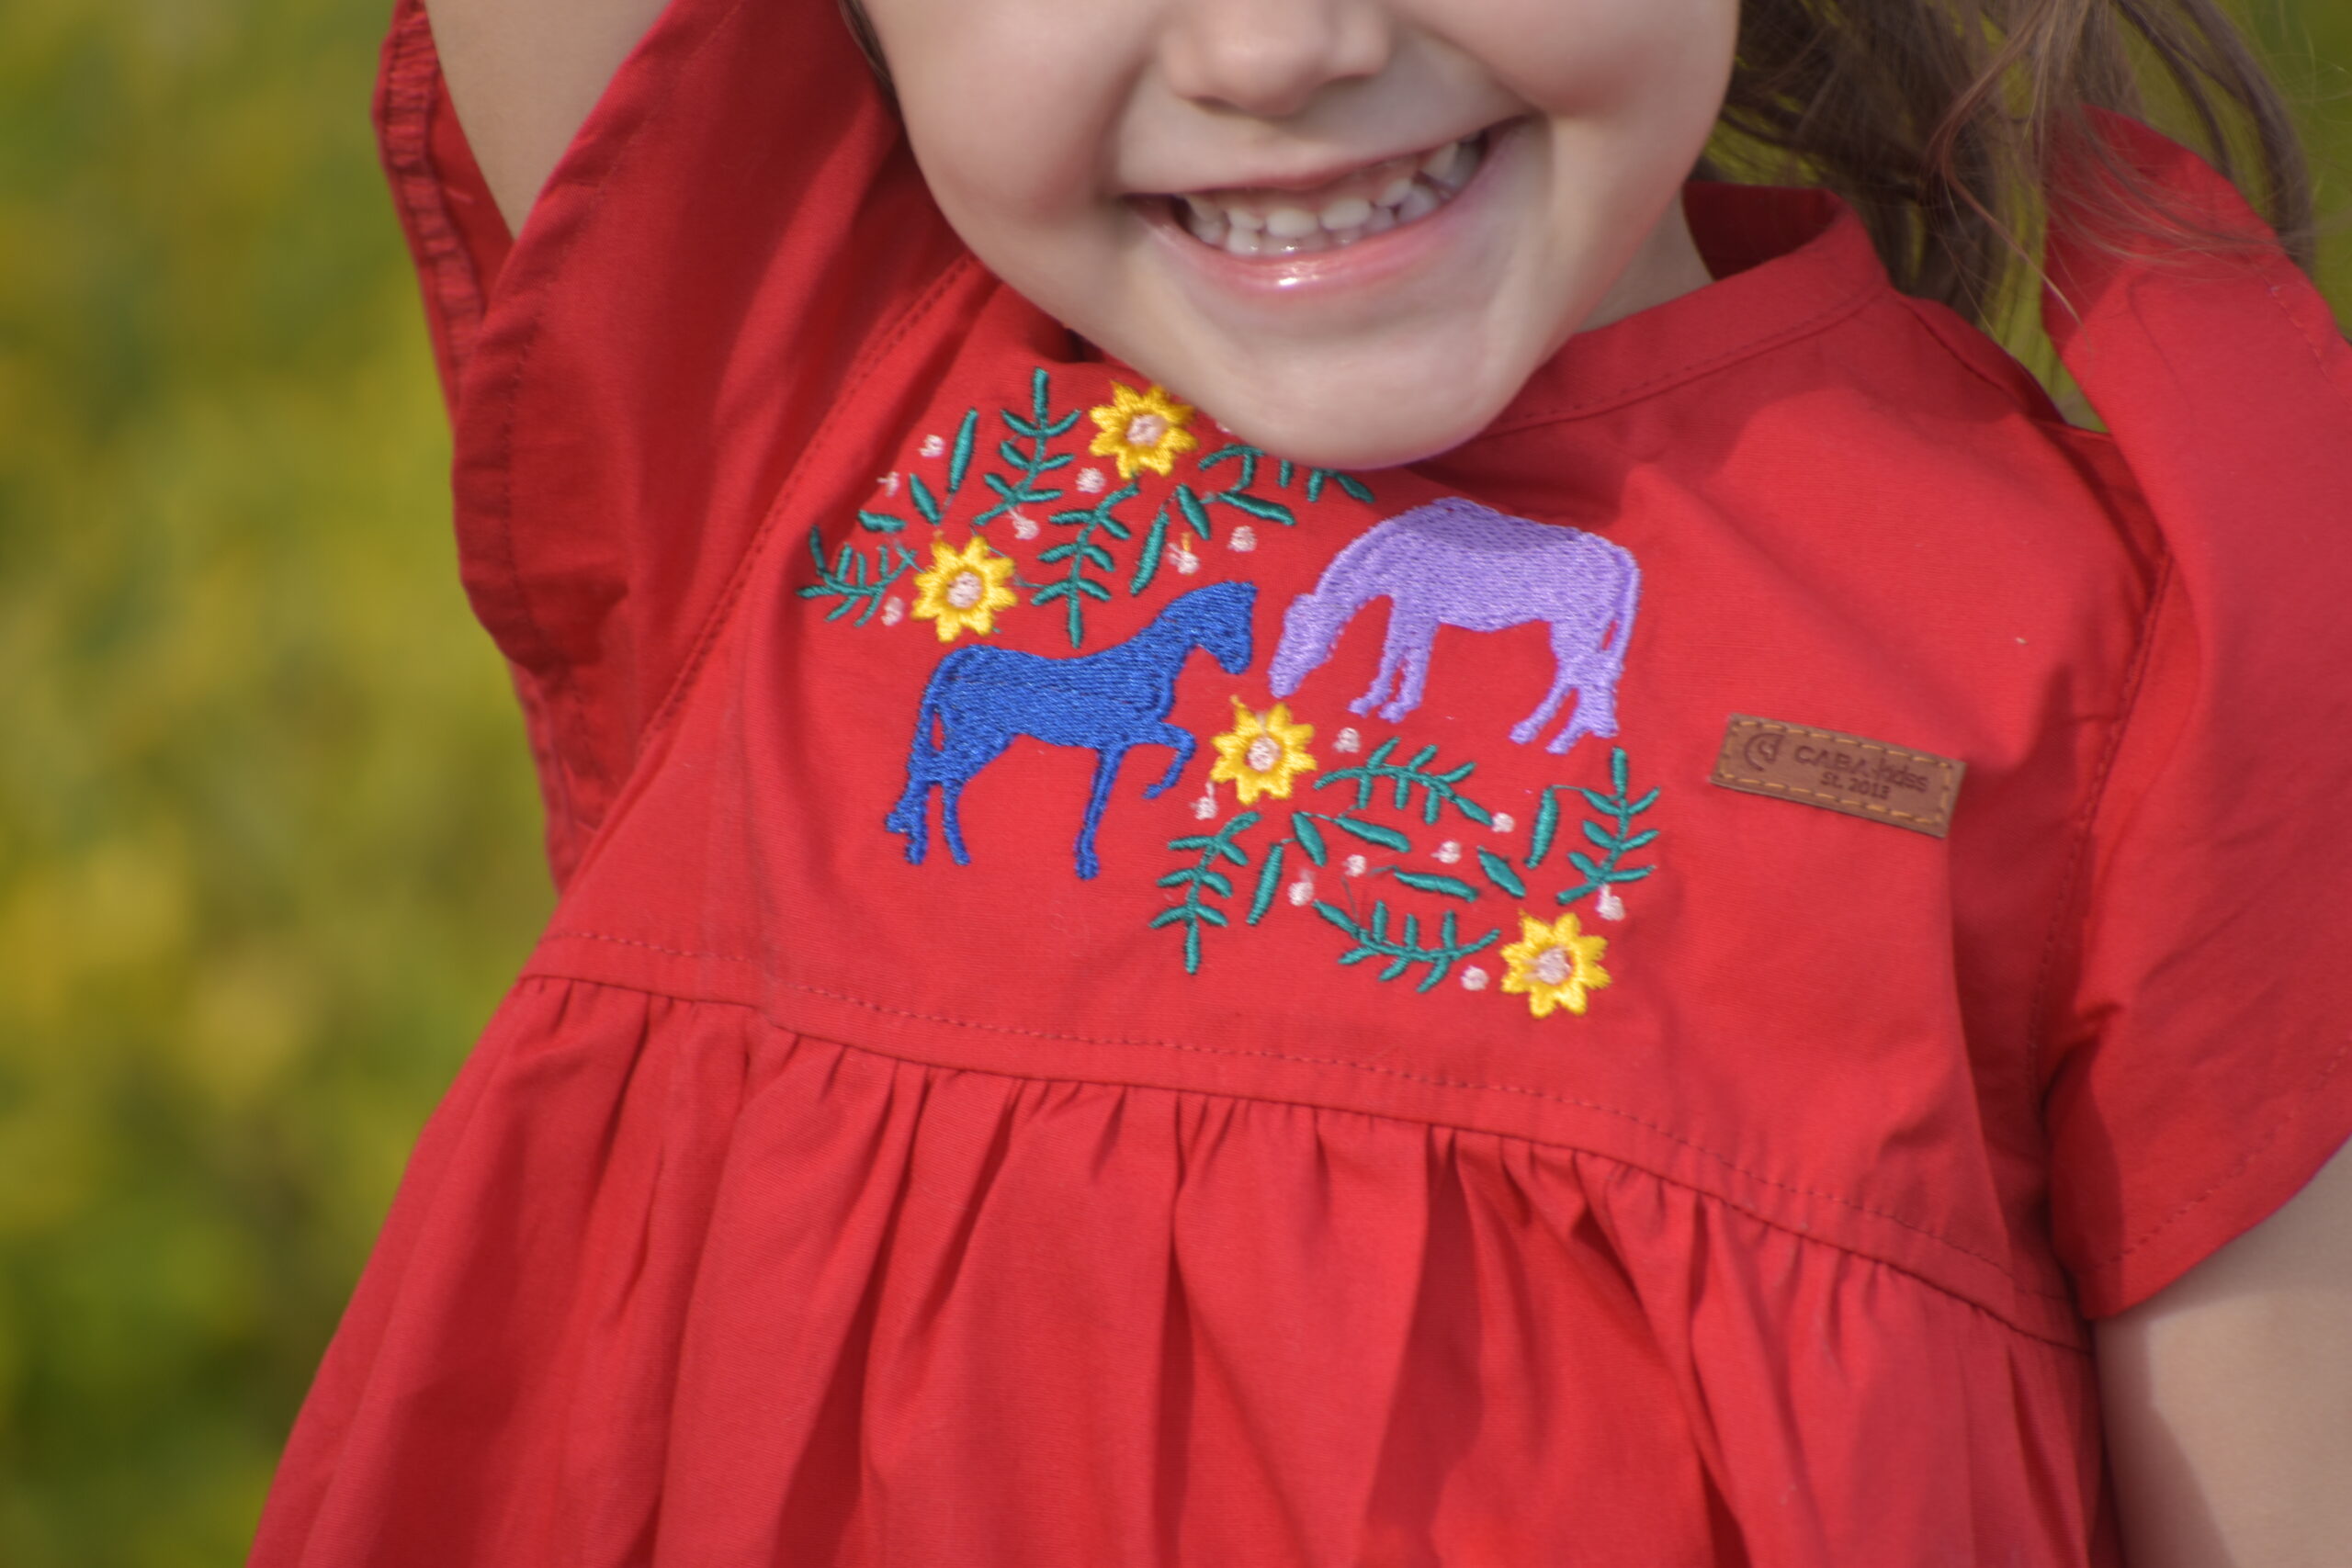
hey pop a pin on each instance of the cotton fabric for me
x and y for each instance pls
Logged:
(808, 1205)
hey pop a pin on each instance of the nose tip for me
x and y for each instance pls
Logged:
(1270, 58)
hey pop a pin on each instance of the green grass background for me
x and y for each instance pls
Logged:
(269, 845)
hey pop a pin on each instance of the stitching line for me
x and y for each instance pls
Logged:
(1749, 727)
(1938, 1239)
(1821, 321)
(2226, 1178)
(2070, 890)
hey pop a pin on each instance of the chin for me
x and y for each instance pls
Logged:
(1353, 416)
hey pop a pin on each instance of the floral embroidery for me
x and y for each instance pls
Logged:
(1040, 430)
(1203, 876)
(1438, 790)
(1142, 430)
(1093, 523)
(1616, 842)
(1432, 565)
(857, 585)
(1026, 479)
(1404, 948)
(1262, 752)
(1554, 965)
(964, 589)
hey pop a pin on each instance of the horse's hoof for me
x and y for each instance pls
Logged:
(1397, 710)
(1363, 704)
(1524, 733)
(1561, 742)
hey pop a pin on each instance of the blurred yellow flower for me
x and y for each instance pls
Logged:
(1142, 430)
(1261, 752)
(964, 589)
(1554, 965)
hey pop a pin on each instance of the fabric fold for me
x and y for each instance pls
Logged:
(773, 1298)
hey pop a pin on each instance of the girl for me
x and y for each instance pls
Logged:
(1306, 822)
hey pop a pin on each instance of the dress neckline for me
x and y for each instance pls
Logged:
(1787, 262)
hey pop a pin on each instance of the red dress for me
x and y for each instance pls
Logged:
(1120, 1002)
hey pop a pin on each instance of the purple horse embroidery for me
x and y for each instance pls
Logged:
(1455, 563)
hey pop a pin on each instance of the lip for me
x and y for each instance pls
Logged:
(1370, 263)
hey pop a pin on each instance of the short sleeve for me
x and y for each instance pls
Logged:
(2198, 1071)
(734, 237)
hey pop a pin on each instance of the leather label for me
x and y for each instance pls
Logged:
(1839, 772)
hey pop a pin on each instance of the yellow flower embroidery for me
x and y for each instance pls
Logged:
(1261, 752)
(964, 589)
(1554, 965)
(1143, 430)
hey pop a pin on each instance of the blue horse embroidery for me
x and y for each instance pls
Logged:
(1456, 563)
(981, 697)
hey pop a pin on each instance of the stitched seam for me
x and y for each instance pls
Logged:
(1577, 1150)
(2070, 885)
(1334, 1062)
(1943, 806)
(413, 68)
(2226, 1178)
(1821, 321)
(564, 681)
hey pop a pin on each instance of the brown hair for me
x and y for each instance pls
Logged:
(1937, 121)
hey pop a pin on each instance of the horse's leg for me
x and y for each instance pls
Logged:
(1106, 774)
(1393, 647)
(1180, 742)
(1566, 655)
(1413, 673)
(911, 816)
(951, 819)
(1596, 709)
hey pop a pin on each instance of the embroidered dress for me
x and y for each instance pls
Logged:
(1121, 1000)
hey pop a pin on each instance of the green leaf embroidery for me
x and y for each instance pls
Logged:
(960, 459)
(1404, 949)
(1040, 430)
(1438, 790)
(1270, 877)
(1430, 882)
(1500, 872)
(1148, 559)
(1075, 586)
(849, 579)
(1387, 837)
(1194, 913)
(925, 502)
(1615, 839)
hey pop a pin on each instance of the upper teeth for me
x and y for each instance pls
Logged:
(1368, 202)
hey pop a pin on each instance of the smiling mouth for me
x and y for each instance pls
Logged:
(1276, 224)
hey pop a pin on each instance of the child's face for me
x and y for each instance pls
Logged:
(1340, 288)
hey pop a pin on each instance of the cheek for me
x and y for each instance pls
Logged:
(1009, 105)
(1640, 63)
